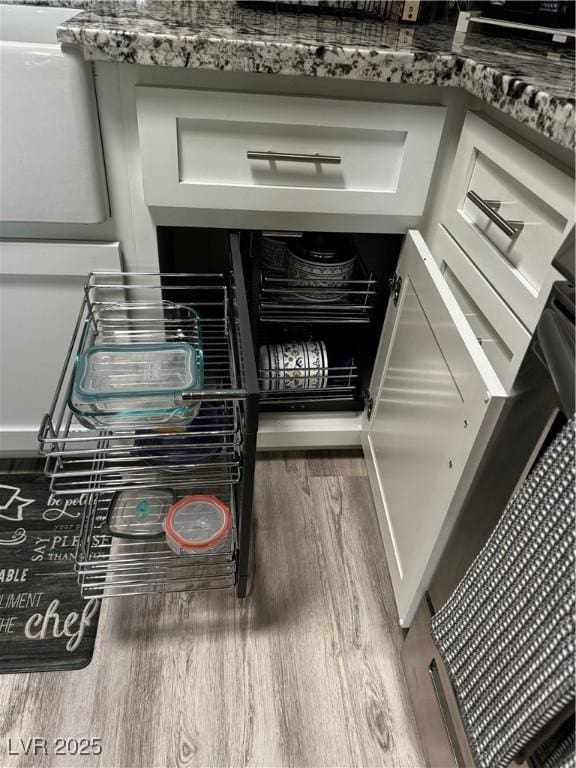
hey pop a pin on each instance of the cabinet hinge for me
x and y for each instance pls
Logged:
(368, 404)
(395, 284)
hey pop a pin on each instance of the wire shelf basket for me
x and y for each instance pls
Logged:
(114, 567)
(290, 300)
(143, 308)
(91, 464)
(307, 385)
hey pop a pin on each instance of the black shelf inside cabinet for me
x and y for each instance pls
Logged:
(317, 405)
(350, 326)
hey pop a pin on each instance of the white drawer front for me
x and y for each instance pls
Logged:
(520, 188)
(328, 156)
(501, 335)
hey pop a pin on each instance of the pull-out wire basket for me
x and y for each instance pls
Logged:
(307, 383)
(94, 462)
(287, 300)
(308, 386)
(284, 299)
(114, 567)
(149, 308)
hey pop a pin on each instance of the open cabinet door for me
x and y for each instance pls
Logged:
(436, 401)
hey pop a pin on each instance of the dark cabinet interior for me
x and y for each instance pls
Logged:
(346, 315)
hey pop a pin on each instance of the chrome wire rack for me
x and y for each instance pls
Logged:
(289, 300)
(114, 567)
(306, 385)
(205, 444)
(91, 463)
(132, 308)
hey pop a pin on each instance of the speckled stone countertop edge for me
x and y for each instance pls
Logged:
(548, 115)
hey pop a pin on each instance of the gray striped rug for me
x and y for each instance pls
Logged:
(507, 631)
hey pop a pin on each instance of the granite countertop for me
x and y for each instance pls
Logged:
(531, 80)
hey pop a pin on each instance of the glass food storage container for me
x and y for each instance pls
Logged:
(119, 385)
(197, 524)
(139, 513)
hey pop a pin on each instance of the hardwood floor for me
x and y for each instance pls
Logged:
(304, 672)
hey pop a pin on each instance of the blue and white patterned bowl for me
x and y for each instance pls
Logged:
(274, 252)
(311, 273)
(294, 365)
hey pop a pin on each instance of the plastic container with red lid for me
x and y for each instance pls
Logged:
(197, 524)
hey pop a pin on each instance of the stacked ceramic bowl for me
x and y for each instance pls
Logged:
(318, 268)
(294, 365)
(274, 252)
(174, 450)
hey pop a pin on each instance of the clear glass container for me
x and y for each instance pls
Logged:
(139, 513)
(123, 384)
(197, 524)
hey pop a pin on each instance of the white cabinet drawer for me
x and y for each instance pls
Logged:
(328, 156)
(495, 184)
(501, 335)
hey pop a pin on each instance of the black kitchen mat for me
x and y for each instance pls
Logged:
(45, 624)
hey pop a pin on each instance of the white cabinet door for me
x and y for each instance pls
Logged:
(40, 296)
(52, 168)
(436, 400)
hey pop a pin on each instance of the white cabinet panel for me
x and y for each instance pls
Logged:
(436, 399)
(40, 295)
(508, 183)
(503, 338)
(52, 168)
(195, 146)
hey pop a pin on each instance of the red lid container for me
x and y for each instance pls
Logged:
(196, 524)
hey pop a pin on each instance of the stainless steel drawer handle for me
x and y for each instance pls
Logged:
(292, 157)
(490, 208)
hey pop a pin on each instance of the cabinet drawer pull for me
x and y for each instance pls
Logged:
(490, 208)
(292, 157)
(444, 711)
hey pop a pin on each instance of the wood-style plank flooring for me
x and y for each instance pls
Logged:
(305, 672)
